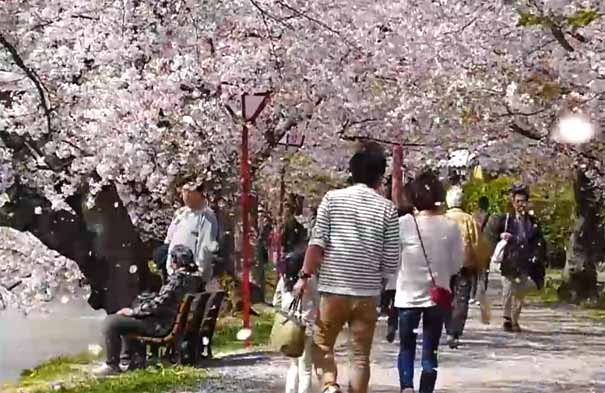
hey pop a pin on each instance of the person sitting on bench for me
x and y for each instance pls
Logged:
(151, 314)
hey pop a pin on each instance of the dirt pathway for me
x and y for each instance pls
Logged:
(559, 351)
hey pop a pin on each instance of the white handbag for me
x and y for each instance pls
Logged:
(498, 254)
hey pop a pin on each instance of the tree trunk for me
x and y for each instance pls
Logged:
(102, 241)
(585, 250)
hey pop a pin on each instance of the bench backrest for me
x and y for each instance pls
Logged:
(197, 311)
(211, 314)
(181, 316)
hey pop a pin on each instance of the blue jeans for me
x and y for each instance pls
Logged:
(432, 325)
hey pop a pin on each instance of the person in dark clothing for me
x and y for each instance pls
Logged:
(160, 254)
(388, 295)
(481, 278)
(294, 234)
(524, 256)
(151, 314)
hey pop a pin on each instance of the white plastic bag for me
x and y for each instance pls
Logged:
(498, 255)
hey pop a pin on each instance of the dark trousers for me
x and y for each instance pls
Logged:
(388, 307)
(116, 329)
(432, 325)
(456, 319)
(480, 280)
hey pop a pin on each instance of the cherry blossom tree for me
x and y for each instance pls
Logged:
(119, 99)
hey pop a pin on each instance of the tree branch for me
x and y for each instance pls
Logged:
(560, 37)
(272, 137)
(355, 138)
(31, 74)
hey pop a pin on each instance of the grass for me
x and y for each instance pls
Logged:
(71, 374)
(225, 340)
(548, 295)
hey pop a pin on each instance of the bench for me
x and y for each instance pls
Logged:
(171, 342)
(206, 332)
(192, 339)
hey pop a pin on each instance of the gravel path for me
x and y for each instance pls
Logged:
(560, 350)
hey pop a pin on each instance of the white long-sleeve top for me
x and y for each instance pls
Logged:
(445, 251)
(198, 230)
(310, 302)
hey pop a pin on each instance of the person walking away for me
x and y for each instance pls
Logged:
(354, 245)
(481, 279)
(299, 376)
(388, 296)
(523, 260)
(431, 249)
(294, 234)
(196, 227)
(150, 314)
(476, 258)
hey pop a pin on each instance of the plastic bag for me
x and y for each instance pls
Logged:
(288, 332)
(498, 255)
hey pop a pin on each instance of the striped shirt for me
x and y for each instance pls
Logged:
(359, 232)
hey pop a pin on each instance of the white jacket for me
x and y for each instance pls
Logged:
(201, 237)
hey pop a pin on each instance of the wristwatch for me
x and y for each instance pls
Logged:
(304, 276)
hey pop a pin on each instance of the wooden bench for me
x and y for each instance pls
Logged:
(171, 342)
(192, 328)
(206, 332)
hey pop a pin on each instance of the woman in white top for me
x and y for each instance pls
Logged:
(300, 372)
(443, 245)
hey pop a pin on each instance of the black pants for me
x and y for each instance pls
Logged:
(116, 328)
(388, 307)
(456, 319)
(480, 279)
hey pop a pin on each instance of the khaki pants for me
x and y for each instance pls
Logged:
(514, 291)
(334, 312)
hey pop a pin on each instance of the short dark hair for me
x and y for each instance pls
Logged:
(483, 203)
(519, 189)
(199, 186)
(427, 191)
(368, 164)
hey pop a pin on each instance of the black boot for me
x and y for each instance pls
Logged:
(427, 381)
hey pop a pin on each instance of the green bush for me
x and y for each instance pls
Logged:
(553, 204)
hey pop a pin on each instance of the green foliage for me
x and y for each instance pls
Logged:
(549, 294)
(553, 204)
(583, 18)
(580, 18)
(527, 19)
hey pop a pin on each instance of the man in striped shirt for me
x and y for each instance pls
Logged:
(353, 247)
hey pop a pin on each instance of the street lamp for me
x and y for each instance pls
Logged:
(252, 105)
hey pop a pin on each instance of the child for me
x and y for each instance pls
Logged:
(299, 375)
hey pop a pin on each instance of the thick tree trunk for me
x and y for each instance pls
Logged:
(585, 249)
(102, 241)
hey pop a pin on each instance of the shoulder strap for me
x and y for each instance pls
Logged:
(426, 258)
(506, 222)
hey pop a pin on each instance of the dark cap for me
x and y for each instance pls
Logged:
(182, 256)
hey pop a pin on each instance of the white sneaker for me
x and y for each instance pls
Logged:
(105, 370)
(408, 390)
(332, 389)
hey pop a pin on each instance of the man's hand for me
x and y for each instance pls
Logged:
(125, 312)
(301, 286)
(506, 236)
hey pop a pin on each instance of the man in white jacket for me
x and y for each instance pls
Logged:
(196, 227)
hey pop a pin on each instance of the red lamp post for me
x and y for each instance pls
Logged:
(252, 106)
